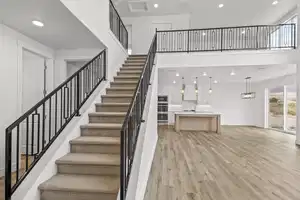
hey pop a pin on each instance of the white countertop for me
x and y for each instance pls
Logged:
(198, 113)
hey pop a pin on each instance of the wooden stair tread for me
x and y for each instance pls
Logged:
(102, 125)
(82, 183)
(90, 159)
(124, 82)
(117, 95)
(96, 140)
(99, 114)
(112, 104)
(121, 88)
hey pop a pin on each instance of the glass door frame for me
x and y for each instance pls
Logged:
(285, 111)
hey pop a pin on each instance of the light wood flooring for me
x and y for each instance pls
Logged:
(21, 172)
(242, 163)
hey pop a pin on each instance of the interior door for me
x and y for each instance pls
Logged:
(33, 90)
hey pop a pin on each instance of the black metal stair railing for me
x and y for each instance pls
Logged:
(133, 120)
(32, 134)
(117, 26)
(261, 37)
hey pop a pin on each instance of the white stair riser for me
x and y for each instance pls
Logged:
(106, 119)
(67, 195)
(88, 169)
(103, 108)
(95, 148)
(100, 132)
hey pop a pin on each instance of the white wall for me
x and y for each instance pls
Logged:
(94, 14)
(225, 99)
(260, 106)
(229, 58)
(143, 29)
(64, 55)
(146, 144)
(12, 44)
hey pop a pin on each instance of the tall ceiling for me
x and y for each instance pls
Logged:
(206, 13)
(223, 74)
(62, 29)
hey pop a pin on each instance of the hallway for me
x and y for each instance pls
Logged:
(242, 163)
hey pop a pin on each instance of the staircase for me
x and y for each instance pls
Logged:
(91, 171)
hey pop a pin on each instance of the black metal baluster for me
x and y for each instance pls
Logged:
(50, 107)
(55, 115)
(18, 153)
(43, 127)
(8, 152)
(61, 107)
(27, 143)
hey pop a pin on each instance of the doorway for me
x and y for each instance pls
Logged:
(34, 86)
(129, 30)
(282, 102)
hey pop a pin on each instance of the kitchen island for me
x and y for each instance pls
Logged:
(198, 121)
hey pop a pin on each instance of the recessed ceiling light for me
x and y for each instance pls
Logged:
(221, 5)
(174, 81)
(37, 23)
(177, 74)
(215, 81)
(156, 5)
(204, 74)
(275, 2)
(232, 73)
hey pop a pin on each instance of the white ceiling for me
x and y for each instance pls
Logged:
(206, 13)
(62, 29)
(222, 74)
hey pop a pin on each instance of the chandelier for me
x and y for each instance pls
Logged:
(248, 94)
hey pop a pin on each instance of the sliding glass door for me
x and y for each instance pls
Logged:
(276, 108)
(282, 108)
(291, 100)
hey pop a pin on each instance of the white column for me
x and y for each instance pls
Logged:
(298, 77)
(285, 108)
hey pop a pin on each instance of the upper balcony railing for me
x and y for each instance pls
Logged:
(117, 26)
(261, 37)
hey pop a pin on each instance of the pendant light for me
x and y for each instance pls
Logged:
(248, 94)
(182, 89)
(210, 90)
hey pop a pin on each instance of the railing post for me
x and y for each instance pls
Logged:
(105, 65)
(78, 94)
(295, 39)
(123, 168)
(221, 39)
(188, 42)
(8, 165)
(257, 37)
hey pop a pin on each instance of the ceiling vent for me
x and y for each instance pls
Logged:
(138, 6)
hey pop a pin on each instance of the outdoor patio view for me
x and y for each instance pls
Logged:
(282, 108)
